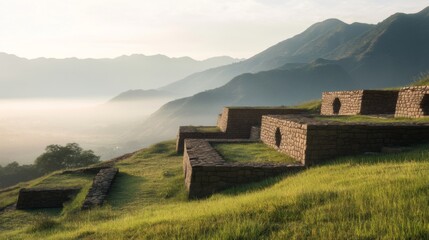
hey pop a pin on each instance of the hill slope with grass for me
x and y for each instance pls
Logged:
(382, 196)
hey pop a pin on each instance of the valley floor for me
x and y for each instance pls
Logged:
(384, 196)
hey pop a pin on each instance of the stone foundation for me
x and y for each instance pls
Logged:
(413, 102)
(33, 198)
(363, 102)
(234, 123)
(100, 188)
(206, 172)
(312, 141)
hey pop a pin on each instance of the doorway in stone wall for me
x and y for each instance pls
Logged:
(278, 137)
(336, 105)
(424, 104)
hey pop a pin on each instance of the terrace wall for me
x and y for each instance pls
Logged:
(206, 172)
(313, 141)
(32, 198)
(413, 102)
(364, 102)
(237, 122)
(234, 123)
(287, 136)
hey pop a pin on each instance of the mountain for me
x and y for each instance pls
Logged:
(283, 86)
(142, 95)
(72, 77)
(389, 54)
(318, 41)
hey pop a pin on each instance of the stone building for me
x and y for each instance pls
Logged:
(312, 141)
(413, 102)
(233, 123)
(359, 102)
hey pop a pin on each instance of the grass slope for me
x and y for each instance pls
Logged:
(362, 197)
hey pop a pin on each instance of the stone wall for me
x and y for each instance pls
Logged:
(32, 198)
(237, 121)
(190, 132)
(364, 102)
(234, 123)
(287, 136)
(312, 141)
(206, 172)
(100, 188)
(413, 102)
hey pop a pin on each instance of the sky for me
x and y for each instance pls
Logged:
(196, 28)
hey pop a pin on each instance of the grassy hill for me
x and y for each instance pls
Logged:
(363, 197)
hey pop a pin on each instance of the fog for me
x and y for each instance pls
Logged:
(27, 126)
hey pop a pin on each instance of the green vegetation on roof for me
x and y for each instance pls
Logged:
(381, 196)
(251, 152)
(372, 119)
(207, 129)
(53, 180)
(423, 80)
(312, 106)
(65, 180)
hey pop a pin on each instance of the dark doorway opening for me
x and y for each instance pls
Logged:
(278, 137)
(424, 104)
(336, 105)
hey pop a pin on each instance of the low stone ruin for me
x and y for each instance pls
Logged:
(233, 123)
(413, 102)
(31, 198)
(312, 141)
(363, 102)
(100, 188)
(301, 136)
(206, 172)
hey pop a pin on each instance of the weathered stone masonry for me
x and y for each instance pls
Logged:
(312, 141)
(234, 123)
(364, 102)
(206, 172)
(100, 188)
(31, 198)
(413, 102)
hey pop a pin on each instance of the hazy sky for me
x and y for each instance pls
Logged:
(196, 28)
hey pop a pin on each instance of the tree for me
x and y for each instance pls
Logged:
(70, 156)
(13, 173)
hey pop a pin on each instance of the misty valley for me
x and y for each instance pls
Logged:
(27, 126)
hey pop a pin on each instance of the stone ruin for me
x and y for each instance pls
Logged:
(313, 141)
(233, 123)
(32, 198)
(359, 102)
(413, 102)
(100, 188)
(206, 172)
(307, 138)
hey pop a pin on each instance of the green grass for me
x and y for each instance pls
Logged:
(382, 196)
(422, 80)
(373, 119)
(65, 180)
(207, 129)
(313, 106)
(250, 152)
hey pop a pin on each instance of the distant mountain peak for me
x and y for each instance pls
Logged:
(424, 11)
